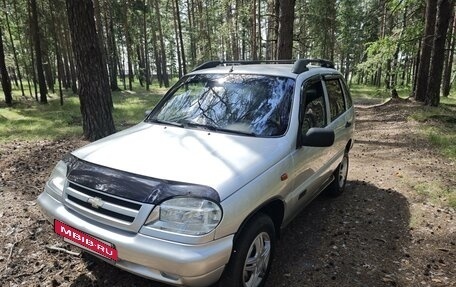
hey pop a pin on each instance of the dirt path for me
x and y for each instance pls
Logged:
(381, 232)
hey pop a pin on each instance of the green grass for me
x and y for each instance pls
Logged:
(439, 125)
(29, 120)
(362, 93)
(435, 193)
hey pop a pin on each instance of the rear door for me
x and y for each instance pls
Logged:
(341, 116)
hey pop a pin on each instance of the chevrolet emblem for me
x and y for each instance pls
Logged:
(96, 202)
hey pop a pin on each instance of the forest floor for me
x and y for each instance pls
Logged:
(391, 227)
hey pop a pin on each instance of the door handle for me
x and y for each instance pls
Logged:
(348, 124)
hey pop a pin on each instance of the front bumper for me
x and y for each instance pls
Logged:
(161, 260)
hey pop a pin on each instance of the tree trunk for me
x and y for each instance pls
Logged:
(176, 36)
(158, 61)
(181, 41)
(140, 65)
(66, 76)
(73, 72)
(38, 54)
(164, 73)
(444, 12)
(208, 31)
(270, 35)
(99, 24)
(416, 68)
(47, 64)
(259, 41)
(286, 20)
(146, 49)
(94, 92)
(347, 67)
(6, 83)
(449, 61)
(129, 44)
(13, 47)
(253, 31)
(112, 55)
(426, 50)
(57, 52)
(28, 69)
(191, 25)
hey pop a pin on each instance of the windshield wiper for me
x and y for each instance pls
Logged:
(216, 129)
(200, 126)
(166, 122)
(237, 132)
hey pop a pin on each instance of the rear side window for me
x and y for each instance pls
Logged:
(336, 98)
(347, 95)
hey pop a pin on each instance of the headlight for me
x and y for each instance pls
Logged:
(57, 179)
(186, 215)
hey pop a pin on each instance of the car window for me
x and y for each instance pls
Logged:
(336, 98)
(314, 115)
(246, 104)
(347, 95)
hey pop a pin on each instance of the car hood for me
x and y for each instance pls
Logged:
(225, 162)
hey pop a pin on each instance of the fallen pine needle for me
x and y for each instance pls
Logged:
(55, 248)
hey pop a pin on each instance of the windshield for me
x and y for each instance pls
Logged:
(245, 104)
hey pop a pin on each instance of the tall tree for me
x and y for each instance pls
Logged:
(181, 41)
(57, 52)
(446, 80)
(128, 43)
(6, 83)
(163, 67)
(426, 50)
(286, 20)
(112, 50)
(38, 53)
(176, 36)
(94, 90)
(444, 12)
(146, 49)
(16, 62)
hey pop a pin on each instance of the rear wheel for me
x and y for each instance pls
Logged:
(251, 257)
(337, 187)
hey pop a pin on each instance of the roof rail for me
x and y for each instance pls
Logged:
(212, 64)
(299, 66)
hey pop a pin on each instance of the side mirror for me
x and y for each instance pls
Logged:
(318, 137)
(146, 113)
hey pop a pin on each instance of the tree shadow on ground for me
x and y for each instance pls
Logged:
(353, 240)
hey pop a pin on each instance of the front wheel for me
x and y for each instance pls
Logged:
(337, 187)
(251, 257)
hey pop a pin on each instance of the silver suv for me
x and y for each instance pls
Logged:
(198, 192)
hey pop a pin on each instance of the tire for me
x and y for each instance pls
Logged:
(252, 254)
(337, 187)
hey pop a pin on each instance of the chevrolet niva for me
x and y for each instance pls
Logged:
(198, 192)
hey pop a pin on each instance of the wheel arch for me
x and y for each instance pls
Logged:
(274, 208)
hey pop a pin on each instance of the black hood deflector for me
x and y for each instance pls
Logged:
(132, 186)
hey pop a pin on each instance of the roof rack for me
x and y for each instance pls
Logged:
(299, 66)
(213, 64)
